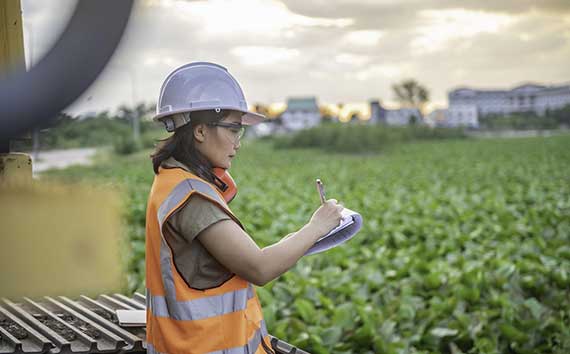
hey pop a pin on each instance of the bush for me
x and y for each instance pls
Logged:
(126, 146)
(526, 121)
(101, 130)
(150, 138)
(362, 138)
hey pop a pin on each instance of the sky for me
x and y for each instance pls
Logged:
(340, 51)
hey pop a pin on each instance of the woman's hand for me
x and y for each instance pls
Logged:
(327, 216)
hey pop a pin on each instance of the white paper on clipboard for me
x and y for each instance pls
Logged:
(349, 226)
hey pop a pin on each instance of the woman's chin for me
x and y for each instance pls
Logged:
(223, 164)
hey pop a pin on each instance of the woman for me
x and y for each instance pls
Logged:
(200, 262)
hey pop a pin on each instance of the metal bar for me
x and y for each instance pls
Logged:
(135, 342)
(119, 305)
(85, 323)
(140, 298)
(131, 302)
(100, 306)
(16, 344)
(111, 341)
(59, 341)
(83, 343)
(35, 342)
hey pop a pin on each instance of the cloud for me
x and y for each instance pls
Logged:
(365, 38)
(339, 50)
(253, 56)
(439, 27)
(352, 59)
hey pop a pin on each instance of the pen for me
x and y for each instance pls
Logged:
(321, 190)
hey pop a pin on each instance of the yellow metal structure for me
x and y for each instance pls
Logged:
(58, 239)
(11, 37)
(12, 166)
(15, 168)
(54, 239)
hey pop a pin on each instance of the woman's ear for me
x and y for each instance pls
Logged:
(200, 132)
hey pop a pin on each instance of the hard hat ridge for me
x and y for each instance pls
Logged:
(201, 86)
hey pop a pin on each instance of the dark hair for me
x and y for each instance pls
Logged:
(182, 146)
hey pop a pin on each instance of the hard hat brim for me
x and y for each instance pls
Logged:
(249, 118)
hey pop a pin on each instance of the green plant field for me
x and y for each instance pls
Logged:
(465, 246)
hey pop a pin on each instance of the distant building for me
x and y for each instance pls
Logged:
(525, 98)
(462, 116)
(553, 97)
(436, 118)
(377, 112)
(301, 113)
(402, 116)
(262, 129)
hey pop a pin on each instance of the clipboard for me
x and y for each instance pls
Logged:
(349, 226)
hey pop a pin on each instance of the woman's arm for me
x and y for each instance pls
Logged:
(236, 250)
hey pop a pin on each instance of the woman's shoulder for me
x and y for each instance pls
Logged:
(171, 162)
(196, 215)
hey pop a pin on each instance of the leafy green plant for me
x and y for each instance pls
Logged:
(464, 249)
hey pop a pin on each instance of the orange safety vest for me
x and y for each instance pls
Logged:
(182, 320)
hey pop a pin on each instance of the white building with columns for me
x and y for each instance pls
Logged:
(467, 105)
(525, 98)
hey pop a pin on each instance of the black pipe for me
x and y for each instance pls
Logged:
(30, 99)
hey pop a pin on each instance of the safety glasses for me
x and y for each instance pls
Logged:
(236, 130)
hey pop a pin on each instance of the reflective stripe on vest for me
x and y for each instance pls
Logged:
(250, 347)
(181, 191)
(199, 309)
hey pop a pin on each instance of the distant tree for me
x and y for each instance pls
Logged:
(135, 115)
(561, 116)
(412, 94)
(413, 120)
(327, 114)
(142, 111)
(261, 109)
(354, 117)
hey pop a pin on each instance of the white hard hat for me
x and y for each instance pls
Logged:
(200, 86)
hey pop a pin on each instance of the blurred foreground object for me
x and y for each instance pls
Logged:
(11, 38)
(15, 167)
(12, 57)
(58, 240)
(28, 99)
(54, 239)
